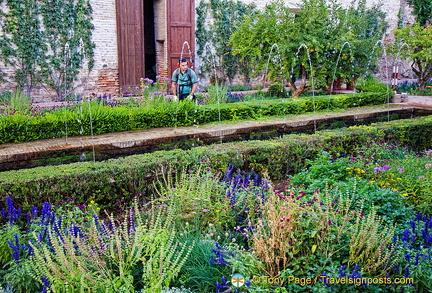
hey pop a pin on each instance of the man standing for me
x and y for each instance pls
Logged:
(184, 81)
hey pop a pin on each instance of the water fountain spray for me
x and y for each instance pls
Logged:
(334, 72)
(191, 60)
(275, 57)
(209, 49)
(303, 45)
(337, 62)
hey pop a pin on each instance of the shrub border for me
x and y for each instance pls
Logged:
(117, 181)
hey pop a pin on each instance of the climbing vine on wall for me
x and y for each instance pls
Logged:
(48, 42)
(422, 10)
(216, 21)
(21, 44)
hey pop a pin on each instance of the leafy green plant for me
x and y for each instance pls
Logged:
(7, 233)
(100, 256)
(5, 97)
(277, 90)
(20, 102)
(370, 84)
(313, 36)
(22, 43)
(299, 229)
(48, 43)
(239, 88)
(216, 21)
(196, 195)
(158, 112)
(422, 10)
(216, 94)
(370, 244)
(418, 48)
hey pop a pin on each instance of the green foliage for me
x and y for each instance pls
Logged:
(343, 173)
(198, 272)
(216, 94)
(82, 118)
(239, 88)
(414, 42)
(47, 42)
(5, 97)
(315, 36)
(422, 10)
(69, 27)
(7, 233)
(216, 21)
(20, 102)
(184, 190)
(409, 174)
(22, 44)
(306, 232)
(120, 179)
(106, 257)
(278, 91)
(366, 27)
(370, 83)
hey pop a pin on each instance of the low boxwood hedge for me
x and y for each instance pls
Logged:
(100, 118)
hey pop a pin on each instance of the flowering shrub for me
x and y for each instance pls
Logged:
(203, 226)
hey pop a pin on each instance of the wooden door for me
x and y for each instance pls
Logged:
(130, 43)
(181, 29)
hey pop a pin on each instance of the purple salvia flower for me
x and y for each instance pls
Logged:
(46, 284)
(11, 214)
(413, 226)
(16, 248)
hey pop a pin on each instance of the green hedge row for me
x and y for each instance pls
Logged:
(104, 119)
(114, 182)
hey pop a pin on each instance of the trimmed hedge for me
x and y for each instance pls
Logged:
(116, 181)
(20, 128)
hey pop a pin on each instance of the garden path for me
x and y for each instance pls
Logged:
(103, 146)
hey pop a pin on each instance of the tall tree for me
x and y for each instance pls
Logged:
(415, 43)
(310, 42)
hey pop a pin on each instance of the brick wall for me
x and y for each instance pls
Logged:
(104, 76)
(160, 9)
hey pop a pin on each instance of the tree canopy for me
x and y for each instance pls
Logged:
(415, 43)
(315, 43)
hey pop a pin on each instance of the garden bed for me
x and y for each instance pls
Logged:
(105, 146)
